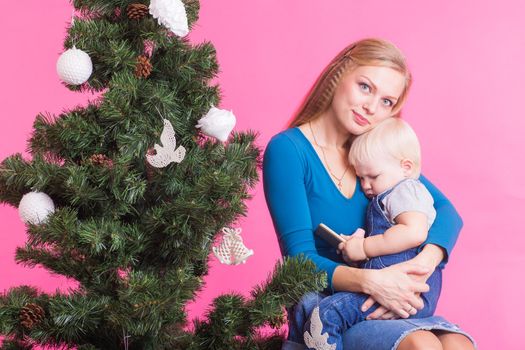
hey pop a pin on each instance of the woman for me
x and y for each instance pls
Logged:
(307, 180)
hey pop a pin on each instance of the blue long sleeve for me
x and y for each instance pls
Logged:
(444, 232)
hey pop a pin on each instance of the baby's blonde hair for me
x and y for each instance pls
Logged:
(393, 138)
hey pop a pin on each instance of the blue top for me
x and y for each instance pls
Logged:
(300, 194)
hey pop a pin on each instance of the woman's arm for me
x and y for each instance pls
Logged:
(430, 257)
(285, 192)
(445, 229)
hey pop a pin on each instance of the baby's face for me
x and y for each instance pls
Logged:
(379, 175)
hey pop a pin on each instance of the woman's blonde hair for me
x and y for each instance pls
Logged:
(392, 138)
(366, 52)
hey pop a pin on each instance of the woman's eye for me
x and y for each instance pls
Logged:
(374, 177)
(364, 87)
(388, 102)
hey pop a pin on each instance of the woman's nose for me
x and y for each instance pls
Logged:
(370, 106)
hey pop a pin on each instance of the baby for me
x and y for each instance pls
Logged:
(387, 161)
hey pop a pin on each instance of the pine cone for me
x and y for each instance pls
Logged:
(143, 67)
(137, 11)
(101, 160)
(31, 314)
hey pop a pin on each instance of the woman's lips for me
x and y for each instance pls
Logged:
(359, 119)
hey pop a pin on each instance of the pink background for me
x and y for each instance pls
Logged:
(467, 106)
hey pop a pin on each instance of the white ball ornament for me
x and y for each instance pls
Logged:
(217, 123)
(74, 66)
(35, 208)
(171, 14)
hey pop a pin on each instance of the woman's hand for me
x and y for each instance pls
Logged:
(382, 313)
(429, 258)
(394, 288)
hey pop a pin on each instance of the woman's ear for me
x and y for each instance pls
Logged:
(408, 167)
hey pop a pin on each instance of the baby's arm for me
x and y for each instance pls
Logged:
(410, 231)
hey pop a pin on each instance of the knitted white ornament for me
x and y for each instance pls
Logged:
(172, 14)
(168, 152)
(232, 251)
(217, 123)
(35, 208)
(315, 339)
(74, 66)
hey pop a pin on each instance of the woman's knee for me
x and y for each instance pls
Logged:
(455, 341)
(420, 340)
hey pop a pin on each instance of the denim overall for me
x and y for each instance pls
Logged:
(340, 311)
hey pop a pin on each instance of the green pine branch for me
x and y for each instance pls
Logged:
(137, 239)
(232, 322)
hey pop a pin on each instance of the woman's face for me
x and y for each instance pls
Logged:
(366, 96)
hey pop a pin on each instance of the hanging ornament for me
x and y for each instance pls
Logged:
(74, 66)
(168, 152)
(137, 11)
(171, 14)
(35, 208)
(143, 67)
(315, 339)
(31, 315)
(232, 251)
(217, 123)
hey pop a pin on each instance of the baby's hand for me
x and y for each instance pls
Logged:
(353, 248)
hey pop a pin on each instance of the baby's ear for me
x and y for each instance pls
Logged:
(408, 167)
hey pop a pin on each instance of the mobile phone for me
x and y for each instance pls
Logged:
(329, 235)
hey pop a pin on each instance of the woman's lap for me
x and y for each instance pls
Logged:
(377, 335)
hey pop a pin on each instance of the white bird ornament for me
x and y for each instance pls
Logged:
(315, 339)
(168, 152)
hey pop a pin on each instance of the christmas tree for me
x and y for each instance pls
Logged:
(128, 194)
